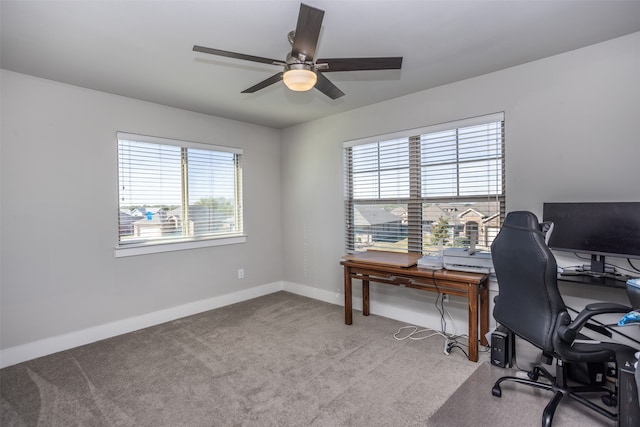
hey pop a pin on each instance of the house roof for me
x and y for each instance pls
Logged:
(365, 215)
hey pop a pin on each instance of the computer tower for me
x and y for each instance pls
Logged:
(629, 409)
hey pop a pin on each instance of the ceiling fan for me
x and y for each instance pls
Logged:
(301, 72)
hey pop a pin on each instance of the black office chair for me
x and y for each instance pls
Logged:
(529, 304)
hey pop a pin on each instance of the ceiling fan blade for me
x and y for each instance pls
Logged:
(235, 55)
(307, 32)
(325, 86)
(359, 64)
(268, 82)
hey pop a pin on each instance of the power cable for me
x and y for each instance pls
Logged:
(451, 339)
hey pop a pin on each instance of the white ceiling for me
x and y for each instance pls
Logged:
(143, 49)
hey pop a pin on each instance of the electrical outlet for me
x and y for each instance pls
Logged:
(241, 273)
(445, 298)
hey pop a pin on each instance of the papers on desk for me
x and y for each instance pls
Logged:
(434, 262)
(633, 291)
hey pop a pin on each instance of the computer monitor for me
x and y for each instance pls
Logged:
(596, 228)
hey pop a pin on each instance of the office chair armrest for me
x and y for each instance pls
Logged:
(569, 332)
(604, 307)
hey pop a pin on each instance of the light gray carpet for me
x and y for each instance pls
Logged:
(520, 405)
(278, 360)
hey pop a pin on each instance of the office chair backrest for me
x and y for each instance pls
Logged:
(528, 302)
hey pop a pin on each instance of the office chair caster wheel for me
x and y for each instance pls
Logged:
(533, 375)
(496, 391)
(609, 400)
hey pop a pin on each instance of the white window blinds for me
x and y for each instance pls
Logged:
(176, 191)
(411, 190)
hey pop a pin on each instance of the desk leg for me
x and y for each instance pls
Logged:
(365, 297)
(348, 312)
(473, 322)
(484, 312)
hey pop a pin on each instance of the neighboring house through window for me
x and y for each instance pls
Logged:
(411, 190)
(177, 192)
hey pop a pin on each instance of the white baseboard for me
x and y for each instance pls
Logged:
(32, 350)
(429, 318)
(315, 293)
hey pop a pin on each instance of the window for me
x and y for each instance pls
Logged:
(416, 190)
(175, 192)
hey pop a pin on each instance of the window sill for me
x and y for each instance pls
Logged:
(144, 249)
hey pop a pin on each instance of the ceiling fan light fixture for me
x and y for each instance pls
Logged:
(299, 77)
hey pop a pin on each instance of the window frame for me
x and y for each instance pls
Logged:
(415, 200)
(181, 242)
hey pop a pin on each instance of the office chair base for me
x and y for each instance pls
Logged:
(559, 394)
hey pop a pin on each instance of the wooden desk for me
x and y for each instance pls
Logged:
(400, 270)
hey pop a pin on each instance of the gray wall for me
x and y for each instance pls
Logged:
(571, 135)
(59, 212)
